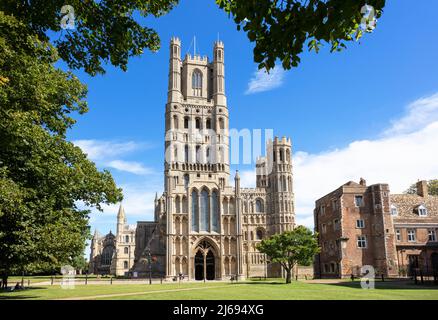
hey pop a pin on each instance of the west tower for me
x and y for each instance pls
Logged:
(200, 203)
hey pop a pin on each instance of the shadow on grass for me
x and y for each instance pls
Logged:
(2, 297)
(389, 285)
(263, 282)
(9, 295)
(384, 285)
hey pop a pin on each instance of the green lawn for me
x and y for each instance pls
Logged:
(343, 290)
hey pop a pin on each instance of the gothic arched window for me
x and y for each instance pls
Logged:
(175, 122)
(195, 211)
(125, 264)
(221, 123)
(126, 238)
(197, 83)
(259, 206)
(126, 250)
(175, 153)
(177, 205)
(259, 234)
(186, 153)
(186, 181)
(198, 123)
(107, 255)
(198, 154)
(220, 156)
(207, 155)
(205, 211)
(214, 211)
(186, 122)
(208, 124)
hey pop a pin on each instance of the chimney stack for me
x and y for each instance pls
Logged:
(422, 189)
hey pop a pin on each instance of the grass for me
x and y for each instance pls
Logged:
(251, 290)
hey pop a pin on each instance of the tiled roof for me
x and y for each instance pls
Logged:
(407, 206)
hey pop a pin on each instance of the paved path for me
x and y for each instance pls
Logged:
(139, 293)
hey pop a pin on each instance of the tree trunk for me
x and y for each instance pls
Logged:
(288, 275)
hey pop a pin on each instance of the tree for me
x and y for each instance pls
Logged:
(104, 31)
(80, 263)
(110, 30)
(43, 177)
(290, 248)
(432, 188)
(281, 28)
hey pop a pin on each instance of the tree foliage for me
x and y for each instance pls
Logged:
(105, 31)
(290, 248)
(281, 29)
(42, 175)
(432, 188)
(113, 31)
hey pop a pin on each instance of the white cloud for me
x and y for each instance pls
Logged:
(101, 149)
(418, 114)
(406, 152)
(105, 154)
(263, 81)
(129, 166)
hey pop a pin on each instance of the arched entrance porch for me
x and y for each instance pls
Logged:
(205, 261)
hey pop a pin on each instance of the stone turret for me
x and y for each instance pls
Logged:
(280, 188)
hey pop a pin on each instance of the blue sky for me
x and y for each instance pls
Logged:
(369, 111)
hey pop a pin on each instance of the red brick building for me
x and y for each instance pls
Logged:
(365, 225)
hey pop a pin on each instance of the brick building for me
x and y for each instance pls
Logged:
(366, 225)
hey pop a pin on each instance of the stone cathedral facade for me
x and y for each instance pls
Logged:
(205, 226)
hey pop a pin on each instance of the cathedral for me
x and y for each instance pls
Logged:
(205, 227)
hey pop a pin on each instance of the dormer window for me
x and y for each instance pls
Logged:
(394, 211)
(422, 211)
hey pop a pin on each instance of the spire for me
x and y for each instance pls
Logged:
(121, 217)
(96, 234)
(237, 177)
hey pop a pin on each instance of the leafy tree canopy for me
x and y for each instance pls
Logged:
(42, 176)
(281, 29)
(290, 248)
(104, 31)
(111, 31)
